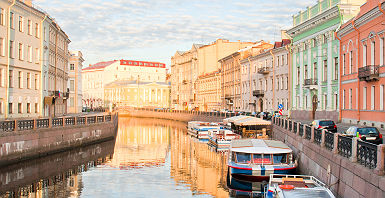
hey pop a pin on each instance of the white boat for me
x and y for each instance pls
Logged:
(200, 129)
(256, 159)
(221, 138)
(290, 186)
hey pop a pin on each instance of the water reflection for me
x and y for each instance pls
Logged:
(149, 158)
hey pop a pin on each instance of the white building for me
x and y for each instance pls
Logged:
(74, 103)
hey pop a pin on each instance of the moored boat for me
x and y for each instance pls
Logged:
(200, 129)
(290, 186)
(256, 159)
(221, 138)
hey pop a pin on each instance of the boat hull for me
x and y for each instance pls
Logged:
(259, 173)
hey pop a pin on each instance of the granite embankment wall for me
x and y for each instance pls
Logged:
(352, 168)
(26, 139)
(183, 116)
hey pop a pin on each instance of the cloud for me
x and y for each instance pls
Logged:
(155, 29)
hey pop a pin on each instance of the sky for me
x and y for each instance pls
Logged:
(153, 30)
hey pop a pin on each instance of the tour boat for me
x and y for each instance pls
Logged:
(256, 159)
(287, 186)
(200, 129)
(221, 138)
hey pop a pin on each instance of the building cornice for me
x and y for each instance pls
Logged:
(311, 23)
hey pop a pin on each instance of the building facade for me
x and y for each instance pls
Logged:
(265, 84)
(231, 75)
(23, 46)
(315, 58)
(126, 93)
(209, 89)
(75, 82)
(363, 67)
(187, 66)
(96, 76)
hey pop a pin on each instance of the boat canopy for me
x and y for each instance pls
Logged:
(259, 146)
(235, 118)
(251, 121)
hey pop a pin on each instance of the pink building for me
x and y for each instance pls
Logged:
(362, 70)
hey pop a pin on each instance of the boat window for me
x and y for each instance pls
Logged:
(279, 158)
(266, 158)
(233, 157)
(257, 158)
(243, 158)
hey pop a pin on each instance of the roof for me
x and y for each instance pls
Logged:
(251, 121)
(282, 43)
(100, 65)
(259, 146)
(235, 118)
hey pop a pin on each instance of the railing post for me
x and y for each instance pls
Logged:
(323, 138)
(380, 170)
(353, 158)
(297, 132)
(76, 121)
(335, 148)
(16, 127)
(312, 134)
(86, 120)
(304, 131)
(64, 121)
(292, 126)
(34, 123)
(49, 122)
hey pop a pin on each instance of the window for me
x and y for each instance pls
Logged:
(373, 53)
(28, 107)
(72, 104)
(10, 108)
(20, 24)
(28, 80)
(325, 39)
(20, 51)
(29, 28)
(2, 45)
(350, 99)
(298, 75)
(325, 76)
(36, 81)
(382, 97)
(20, 79)
(305, 73)
(315, 72)
(343, 64)
(1, 77)
(243, 158)
(29, 54)
(72, 67)
(364, 54)
(11, 20)
(325, 101)
(279, 158)
(382, 51)
(351, 62)
(10, 78)
(1, 16)
(11, 46)
(364, 99)
(372, 98)
(36, 108)
(72, 85)
(335, 68)
(19, 108)
(37, 30)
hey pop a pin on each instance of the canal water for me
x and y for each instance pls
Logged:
(149, 158)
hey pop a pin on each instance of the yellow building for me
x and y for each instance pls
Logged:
(187, 66)
(128, 93)
(209, 89)
(75, 82)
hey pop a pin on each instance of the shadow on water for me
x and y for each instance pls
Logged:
(149, 157)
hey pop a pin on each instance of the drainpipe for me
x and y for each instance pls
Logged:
(380, 7)
(340, 81)
(358, 81)
(42, 37)
(250, 78)
(288, 49)
(273, 85)
(234, 82)
(8, 60)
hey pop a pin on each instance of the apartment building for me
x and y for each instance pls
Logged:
(22, 58)
(187, 66)
(315, 58)
(362, 66)
(95, 77)
(209, 89)
(231, 74)
(74, 103)
(265, 79)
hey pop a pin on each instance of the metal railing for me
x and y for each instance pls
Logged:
(42, 123)
(368, 73)
(329, 140)
(56, 122)
(308, 132)
(100, 119)
(70, 121)
(301, 129)
(290, 125)
(7, 125)
(367, 154)
(81, 120)
(25, 124)
(91, 120)
(345, 146)
(317, 136)
(295, 127)
(310, 81)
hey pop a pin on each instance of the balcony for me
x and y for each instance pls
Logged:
(258, 93)
(311, 83)
(368, 73)
(264, 70)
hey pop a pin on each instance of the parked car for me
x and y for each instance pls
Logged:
(325, 124)
(266, 115)
(368, 134)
